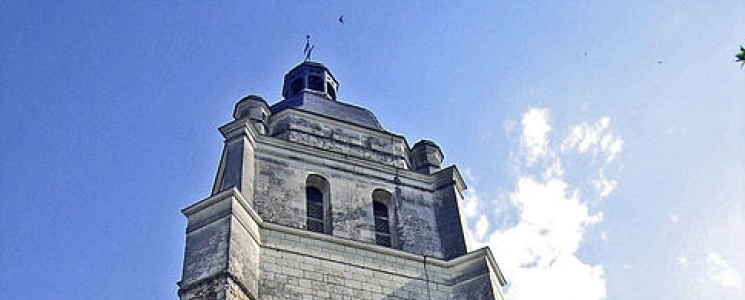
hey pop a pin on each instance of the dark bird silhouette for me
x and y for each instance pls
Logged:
(341, 19)
(741, 57)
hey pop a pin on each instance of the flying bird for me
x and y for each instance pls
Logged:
(341, 19)
(741, 57)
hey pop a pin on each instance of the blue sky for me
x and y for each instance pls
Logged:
(603, 143)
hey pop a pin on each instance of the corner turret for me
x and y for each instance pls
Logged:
(426, 157)
(255, 109)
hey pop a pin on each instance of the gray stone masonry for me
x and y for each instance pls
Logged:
(298, 264)
(251, 240)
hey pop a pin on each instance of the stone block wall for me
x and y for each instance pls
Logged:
(222, 249)
(249, 239)
(244, 259)
(280, 198)
(236, 169)
(206, 252)
(233, 254)
(449, 222)
(418, 225)
(306, 129)
(271, 171)
(303, 265)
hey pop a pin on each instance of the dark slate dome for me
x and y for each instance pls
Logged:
(311, 87)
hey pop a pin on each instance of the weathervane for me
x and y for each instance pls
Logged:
(308, 48)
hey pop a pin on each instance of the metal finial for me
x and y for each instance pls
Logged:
(308, 48)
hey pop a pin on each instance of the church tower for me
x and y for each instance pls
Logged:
(314, 199)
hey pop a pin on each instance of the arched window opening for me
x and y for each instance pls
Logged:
(383, 212)
(331, 91)
(297, 86)
(315, 221)
(317, 204)
(382, 224)
(315, 83)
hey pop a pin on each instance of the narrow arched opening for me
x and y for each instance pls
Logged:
(382, 213)
(317, 204)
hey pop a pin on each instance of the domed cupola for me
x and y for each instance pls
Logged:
(310, 87)
(310, 77)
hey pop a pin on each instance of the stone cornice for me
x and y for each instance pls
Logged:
(271, 145)
(238, 128)
(449, 175)
(493, 264)
(341, 133)
(251, 219)
(334, 122)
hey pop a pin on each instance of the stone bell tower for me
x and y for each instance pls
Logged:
(314, 199)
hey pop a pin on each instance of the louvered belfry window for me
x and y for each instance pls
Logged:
(382, 224)
(315, 213)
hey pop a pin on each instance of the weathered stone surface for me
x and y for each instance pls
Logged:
(295, 264)
(449, 222)
(477, 289)
(426, 157)
(418, 225)
(208, 289)
(233, 172)
(249, 239)
(206, 251)
(244, 259)
(280, 193)
(379, 147)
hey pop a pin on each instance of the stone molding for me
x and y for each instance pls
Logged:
(214, 280)
(253, 224)
(278, 147)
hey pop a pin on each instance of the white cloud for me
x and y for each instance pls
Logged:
(471, 202)
(721, 272)
(595, 138)
(674, 217)
(555, 170)
(553, 214)
(566, 278)
(477, 222)
(603, 186)
(482, 226)
(541, 249)
(683, 261)
(468, 175)
(535, 134)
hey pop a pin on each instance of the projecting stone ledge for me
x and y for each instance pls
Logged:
(291, 263)
(373, 145)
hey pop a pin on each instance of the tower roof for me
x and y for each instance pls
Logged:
(310, 86)
(333, 109)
